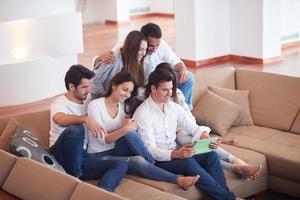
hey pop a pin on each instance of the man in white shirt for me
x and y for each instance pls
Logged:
(68, 132)
(159, 51)
(157, 118)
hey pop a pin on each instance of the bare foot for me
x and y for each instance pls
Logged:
(230, 141)
(185, 182)
(246, 170)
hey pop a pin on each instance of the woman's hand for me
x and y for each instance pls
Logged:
(129, 125)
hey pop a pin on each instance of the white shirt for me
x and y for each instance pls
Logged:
(64, 105)
(158, 129)
(162, 54)
(97, 110)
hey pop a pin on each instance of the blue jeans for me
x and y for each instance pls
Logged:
(187, 89)
(132, 145)
(211, 181)
(68, 151)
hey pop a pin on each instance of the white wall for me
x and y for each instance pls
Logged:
(39, 42)
(246, 28)
(290, 15)
(159, 6)
(202, 28)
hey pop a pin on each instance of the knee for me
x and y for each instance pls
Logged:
(139, 160)
(120, 165)
(76, 131)
(190, 79)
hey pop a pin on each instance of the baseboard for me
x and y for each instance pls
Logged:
(114, 22)
(230, 58)
(290, 44)
(152, 14)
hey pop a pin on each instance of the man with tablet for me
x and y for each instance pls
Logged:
(157, 118)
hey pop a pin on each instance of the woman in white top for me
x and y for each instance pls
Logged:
(122, 142)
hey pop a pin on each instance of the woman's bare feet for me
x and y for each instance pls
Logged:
(185, 182)
(230, 141)
(246, 170)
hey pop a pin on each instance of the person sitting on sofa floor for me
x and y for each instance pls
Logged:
(158, 51)
(67, 133)
(112, 111)
(157, 118)
(229, 162)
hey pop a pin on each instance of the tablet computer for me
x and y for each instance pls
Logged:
(202, 146)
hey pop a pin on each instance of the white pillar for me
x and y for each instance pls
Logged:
(208, 29)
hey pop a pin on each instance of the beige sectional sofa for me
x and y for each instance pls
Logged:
(273, 141)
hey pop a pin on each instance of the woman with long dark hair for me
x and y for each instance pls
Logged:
(122, 142)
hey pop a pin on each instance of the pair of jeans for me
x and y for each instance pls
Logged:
(212, 180)
(187, 89)
(68, 151)
(131, 149)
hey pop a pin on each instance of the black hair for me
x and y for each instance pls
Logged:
(132, 102)
(159, 76)
(152, 30)
(167, 66)
(76, 73)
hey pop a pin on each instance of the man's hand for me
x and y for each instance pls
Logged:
(96, 129)
(186, 151)
(182, 76)
(107, 57)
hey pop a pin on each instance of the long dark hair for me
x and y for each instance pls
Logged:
(158, 76)
(132, 102)
(129, 53)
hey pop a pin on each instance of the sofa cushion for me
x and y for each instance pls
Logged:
(37, 123)
(282, 149)
(274, 99)
(216, 112)
(91, 192)
(296, 125)
(45, 183)
(222, 77)
(7, 161)
(9, 130)
(240, 97)
(24, 144)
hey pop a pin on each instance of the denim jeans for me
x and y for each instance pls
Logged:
(132, 145)
(211, 181)
(187, 89)
(68, 151)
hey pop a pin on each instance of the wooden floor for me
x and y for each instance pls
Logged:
(101, 37)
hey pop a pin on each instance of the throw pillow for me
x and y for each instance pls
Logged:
(24, 144)
(216, 112)
(240, 97)
(7, 133)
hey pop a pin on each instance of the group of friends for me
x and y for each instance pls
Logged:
(131, 115)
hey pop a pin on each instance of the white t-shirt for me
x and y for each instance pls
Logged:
(97, 110)
(64, 105)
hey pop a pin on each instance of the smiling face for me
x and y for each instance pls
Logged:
(153, 44)
(163, 93)
(142, 50)
(122, 91)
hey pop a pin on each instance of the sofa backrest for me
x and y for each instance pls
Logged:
(222, 77)
(274, 99)
(36, 122)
